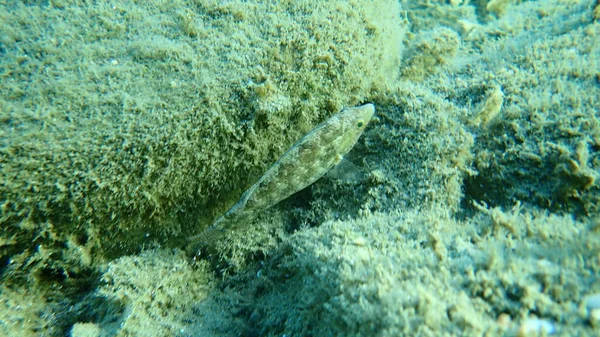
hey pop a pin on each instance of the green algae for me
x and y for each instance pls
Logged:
(469, 219)
(139, 118)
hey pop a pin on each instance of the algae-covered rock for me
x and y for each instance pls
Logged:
(157, 293)
(131, 123)
(473, 212)
(518, 97)
(421, 273)
(542, 145)
(26, 313)
(415, 154)
(528, 83)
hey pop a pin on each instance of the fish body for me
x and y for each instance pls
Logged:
(304, 163)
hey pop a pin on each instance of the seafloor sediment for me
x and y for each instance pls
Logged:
(128, 128)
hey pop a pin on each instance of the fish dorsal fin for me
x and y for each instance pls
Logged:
(346, 171)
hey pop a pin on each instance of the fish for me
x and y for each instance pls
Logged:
(305, 162)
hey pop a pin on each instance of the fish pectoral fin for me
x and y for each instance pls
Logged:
(346, 171)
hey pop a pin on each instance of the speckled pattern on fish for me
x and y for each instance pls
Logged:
(303, 164)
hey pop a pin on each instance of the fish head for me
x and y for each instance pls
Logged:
(360, 116)
(355, 120)
(351, 124)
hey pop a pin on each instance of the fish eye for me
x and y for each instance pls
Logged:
(360, 124)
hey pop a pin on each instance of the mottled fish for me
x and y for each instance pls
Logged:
(304, 163)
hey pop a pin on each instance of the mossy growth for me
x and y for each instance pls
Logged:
(26, 314)
(421, 272)
(526, 86)
(159, 292)
(542, 145)
(415, 154)
(430, 51)
(413, 267)
(141, 125)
